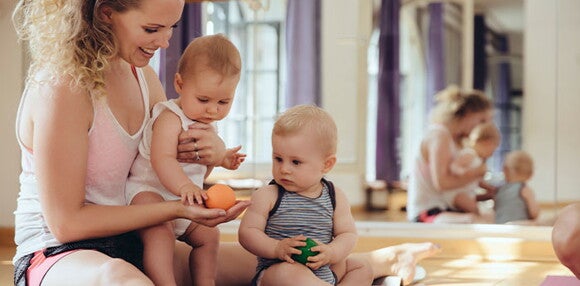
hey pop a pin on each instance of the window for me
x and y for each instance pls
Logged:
(259, 37)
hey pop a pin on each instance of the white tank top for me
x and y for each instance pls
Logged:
(422, 193)
(111, 152)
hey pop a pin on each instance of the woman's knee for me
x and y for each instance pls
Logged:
(119, 272)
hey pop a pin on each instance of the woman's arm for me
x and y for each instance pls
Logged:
(61, 120)
(490, 191)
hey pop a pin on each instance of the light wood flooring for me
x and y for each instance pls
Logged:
(450, 268)
(462, 271)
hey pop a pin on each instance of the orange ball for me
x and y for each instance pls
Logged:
(220, 196)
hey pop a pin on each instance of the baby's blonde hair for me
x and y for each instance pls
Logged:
(520, 163)
(484, 132)
(454, 104)
(215, 52)
(301, 117)
(67, 39)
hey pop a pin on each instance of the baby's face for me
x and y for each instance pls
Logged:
(485, 149)
(207, 97)
(298, 162)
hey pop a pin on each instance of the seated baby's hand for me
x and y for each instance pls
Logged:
(287, 246)
(192, 194)
(323, 257)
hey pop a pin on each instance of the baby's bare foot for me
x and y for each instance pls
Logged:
(400, 260)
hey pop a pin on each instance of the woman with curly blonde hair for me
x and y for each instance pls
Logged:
(88, 95)
(455, 114)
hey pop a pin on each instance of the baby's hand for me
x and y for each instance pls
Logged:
(192, 194)
(233, 159)
(322, 258)
(287, 246)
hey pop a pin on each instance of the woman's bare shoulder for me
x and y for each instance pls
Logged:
(156, 91)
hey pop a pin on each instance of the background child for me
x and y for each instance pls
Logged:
(300, 203)
(515, 201)
(208, 73)
(479, 145)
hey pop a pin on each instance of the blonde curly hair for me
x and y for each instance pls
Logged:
(454, 103)
(67, 39)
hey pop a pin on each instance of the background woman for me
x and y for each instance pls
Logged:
(457, 112)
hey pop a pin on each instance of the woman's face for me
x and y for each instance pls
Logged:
(140, 32)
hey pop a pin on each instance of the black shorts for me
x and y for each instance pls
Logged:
(127, 246)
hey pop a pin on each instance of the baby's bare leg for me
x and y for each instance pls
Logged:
(290, 274)
(353, 271)
(203, 257)
(158, 245)
(399, 260)
(237, 266)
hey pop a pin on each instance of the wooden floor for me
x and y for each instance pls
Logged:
(456, 265)
(464, 271)
(475, 272)
(6, 268)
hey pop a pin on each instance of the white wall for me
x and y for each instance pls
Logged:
(346, 28)
(11, 74)
(552, 96)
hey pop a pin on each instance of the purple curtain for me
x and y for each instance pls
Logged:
(303, 52)
(479, 54)
(435, 53)
(503, 101)
(187, 29)
(388, 165)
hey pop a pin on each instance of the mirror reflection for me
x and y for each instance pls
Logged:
(476, 44)
(463, 43)
(531, 90)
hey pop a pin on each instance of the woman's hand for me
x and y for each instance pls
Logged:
(213, 217)
(201, 144)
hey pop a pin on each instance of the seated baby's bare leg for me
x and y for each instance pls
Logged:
(203, 257)
(158, 245)
(290, 274)
(353, 271)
